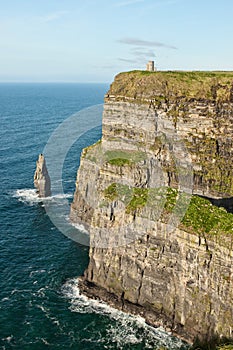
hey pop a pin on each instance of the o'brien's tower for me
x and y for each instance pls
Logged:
(151, 66)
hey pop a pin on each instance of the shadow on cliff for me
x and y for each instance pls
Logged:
(226, 203)
(216, 343)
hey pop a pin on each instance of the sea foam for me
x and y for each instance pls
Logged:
(27, 196)
(30, 196)
(126, 330)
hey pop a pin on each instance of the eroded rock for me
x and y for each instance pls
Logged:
(180, 279)
(41, 178)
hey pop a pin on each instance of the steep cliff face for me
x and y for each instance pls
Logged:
(160, 254)
(195, 108)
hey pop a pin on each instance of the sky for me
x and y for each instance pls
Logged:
(93, 40)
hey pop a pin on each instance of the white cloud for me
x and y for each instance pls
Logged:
(53, 16)
(144, 43)
(128, 3)
(152, 5)
(127, 60)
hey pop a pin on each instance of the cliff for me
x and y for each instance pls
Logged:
(154, 250)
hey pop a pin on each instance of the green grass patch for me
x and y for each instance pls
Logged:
(170, 85)
(170, 199)
(119, 161)
(118, 191)
(203, 217)
(122, 158)
(138, 200)
(135, 197)
(111, 192)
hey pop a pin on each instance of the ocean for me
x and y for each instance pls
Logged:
(40, 303)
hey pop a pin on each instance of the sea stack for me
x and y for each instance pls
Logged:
(41, 178)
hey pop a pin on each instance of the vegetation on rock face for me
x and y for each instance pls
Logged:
(138, 200)
(111, 192)
(118, 191)
(121, 158)
(119, 161)
(201, 216)
(113, 157)
(91, 147)
(169, 85)
(134, 198)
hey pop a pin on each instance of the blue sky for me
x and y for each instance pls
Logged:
(91, 41)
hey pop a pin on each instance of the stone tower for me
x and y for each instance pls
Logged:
(151, 66)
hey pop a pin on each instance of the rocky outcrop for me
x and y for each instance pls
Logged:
(154, 250)
(178, 280)
(41, 178)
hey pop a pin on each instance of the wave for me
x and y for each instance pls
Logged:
(27, 196)
(47, 313)
(30, 196)
(8, 339)
(126, 329)
(36, 272)
(79, 227)
(63, 195)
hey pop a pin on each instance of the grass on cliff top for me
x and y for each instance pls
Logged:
(168, 85)
(201, 216)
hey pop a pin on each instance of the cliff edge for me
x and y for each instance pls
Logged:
(147, 192)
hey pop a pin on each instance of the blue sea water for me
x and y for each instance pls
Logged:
(40, 304)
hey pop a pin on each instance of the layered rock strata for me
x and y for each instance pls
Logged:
(154, 250)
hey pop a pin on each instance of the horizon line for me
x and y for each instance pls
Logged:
(52, 82)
